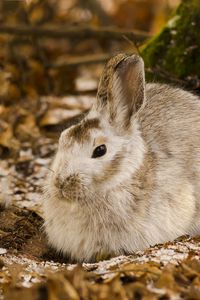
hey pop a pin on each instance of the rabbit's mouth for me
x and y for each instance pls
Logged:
(71, 193)
(69, 189)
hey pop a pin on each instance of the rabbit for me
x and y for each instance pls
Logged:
(127, 176)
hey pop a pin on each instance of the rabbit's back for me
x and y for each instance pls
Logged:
(170, 126)
(170, 120)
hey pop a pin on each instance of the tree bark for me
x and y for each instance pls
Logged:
(174, 54)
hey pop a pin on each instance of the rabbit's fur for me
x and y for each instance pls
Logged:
(146, 188)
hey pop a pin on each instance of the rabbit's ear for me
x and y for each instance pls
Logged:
(128, 89)
(125, 90)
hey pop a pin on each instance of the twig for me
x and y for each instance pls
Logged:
(75, 32)
(167, 76)
(91, 92)
(82, 60)
(189, 83)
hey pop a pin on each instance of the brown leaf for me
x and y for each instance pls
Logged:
(7, 139)
(57, 116)
(27, 128)
(166, 280)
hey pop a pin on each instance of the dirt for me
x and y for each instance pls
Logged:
(21, 232)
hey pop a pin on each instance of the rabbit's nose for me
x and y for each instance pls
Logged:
(58, 181)
(68, 181)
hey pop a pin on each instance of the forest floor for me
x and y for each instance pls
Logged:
(29, 269)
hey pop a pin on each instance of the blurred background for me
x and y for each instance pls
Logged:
(52, 53)
(47, 62)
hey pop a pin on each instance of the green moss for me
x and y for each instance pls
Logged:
(176, 49)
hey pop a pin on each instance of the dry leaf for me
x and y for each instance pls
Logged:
(57, 116)
(27, 128)
(7, 139)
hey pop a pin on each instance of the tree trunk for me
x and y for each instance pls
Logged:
(174, 54)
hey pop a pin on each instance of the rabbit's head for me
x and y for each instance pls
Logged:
(105, 149)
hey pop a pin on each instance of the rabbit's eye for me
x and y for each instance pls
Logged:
(99, 151)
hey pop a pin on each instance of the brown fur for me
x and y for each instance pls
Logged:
(81, 132)
(117, 78)
(106, 77)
